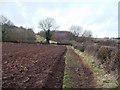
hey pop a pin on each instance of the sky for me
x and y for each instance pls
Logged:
(99, 16)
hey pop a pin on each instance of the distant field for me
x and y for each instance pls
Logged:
(41, 39)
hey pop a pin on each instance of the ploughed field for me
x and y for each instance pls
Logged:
(32, 65)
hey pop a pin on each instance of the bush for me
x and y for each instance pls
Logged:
(92, 49)
(80, 47)
(104, 54)
(108, 56)
(77, 45)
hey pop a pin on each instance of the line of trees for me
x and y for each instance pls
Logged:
(12, 33)
(80, 35)
(77, 31)
(48, 26)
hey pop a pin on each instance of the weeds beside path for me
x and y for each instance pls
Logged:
(82, 71)
(104, 80)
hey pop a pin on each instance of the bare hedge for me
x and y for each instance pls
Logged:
(17, 34)
(108, 56)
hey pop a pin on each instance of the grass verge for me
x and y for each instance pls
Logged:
(39, 38)
(68, 81)
(103, 79)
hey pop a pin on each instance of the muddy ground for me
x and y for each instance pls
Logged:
(32, 65)
(81, 74)
(42, 66)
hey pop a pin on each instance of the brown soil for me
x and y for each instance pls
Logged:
(32, 66)
(82, 75)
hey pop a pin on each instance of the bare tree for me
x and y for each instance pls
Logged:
(87, 37)
(87, 33)
(76, 30)
(4, 23)
(4, 20)
(47, 25)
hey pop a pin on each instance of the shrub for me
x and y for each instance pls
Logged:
(104, 53)
(92, 49)
(81, 47)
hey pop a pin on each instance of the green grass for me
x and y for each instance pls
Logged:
(103, 79)
(39, 38)
(117, 88)
(68, 80)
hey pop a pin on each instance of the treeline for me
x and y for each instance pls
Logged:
(12, 33)
(65, 36)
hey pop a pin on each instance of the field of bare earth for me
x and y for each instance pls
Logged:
(32, 65)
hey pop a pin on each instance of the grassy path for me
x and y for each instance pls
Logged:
(77, 74)
(81, 71)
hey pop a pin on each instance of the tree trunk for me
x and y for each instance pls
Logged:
(48, 36)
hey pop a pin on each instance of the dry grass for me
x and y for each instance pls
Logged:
(103, 79)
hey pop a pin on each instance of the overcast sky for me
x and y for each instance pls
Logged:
(99, 16)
